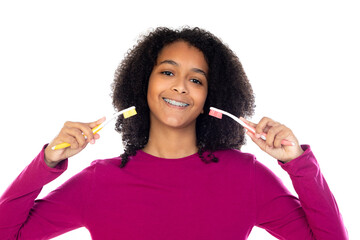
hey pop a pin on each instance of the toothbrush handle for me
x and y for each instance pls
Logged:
(284, 142)
(65, 144)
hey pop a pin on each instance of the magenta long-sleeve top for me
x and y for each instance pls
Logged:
(154, 198)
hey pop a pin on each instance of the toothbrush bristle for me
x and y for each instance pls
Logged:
(130, 113)
(215, 114)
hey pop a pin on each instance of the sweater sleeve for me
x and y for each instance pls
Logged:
(23, 217)
(313, 215)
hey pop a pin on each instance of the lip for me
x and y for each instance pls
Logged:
(175, 103)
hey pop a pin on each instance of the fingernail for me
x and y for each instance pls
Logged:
(257, 135)
(92, 141)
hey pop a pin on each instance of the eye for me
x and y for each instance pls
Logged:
(196, 81)
(167, 73)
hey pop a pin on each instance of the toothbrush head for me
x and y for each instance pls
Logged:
(129, 113)
(215, 113)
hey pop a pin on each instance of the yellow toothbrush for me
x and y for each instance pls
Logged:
(128, 112)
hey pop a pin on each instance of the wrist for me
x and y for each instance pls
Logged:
(50, 163)
(299, 151)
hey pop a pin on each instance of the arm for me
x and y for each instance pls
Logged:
(62, 210)
(23, 217)
(315, 215)
(316, 199)
(18, 199)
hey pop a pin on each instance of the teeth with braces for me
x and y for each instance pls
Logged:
(175, 103)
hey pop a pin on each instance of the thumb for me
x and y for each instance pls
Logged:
(248, 122)
(253, 135)
(251, 126)
(97, 123)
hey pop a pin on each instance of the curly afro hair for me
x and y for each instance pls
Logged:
(228, 89)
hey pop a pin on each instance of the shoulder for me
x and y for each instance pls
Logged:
(236, 156)
(246, 165)
(102, 171)
(236, 161)
(108, 163)
(102, 167)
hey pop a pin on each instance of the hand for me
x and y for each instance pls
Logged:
(77, 134)
(276, 132)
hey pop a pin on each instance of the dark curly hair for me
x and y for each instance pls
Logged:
(228, 89)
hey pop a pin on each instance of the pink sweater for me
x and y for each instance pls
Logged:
(154, 198)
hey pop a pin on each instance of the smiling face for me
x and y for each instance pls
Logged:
(177, 86)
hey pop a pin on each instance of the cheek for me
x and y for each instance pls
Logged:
(151, 88)
(202, 96)
(155, 88)
(200, 100)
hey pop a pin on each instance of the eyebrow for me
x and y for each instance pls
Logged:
(197, 70)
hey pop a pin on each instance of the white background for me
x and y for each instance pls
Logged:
(57, 60)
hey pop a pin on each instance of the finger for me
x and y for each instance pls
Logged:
(87, 128)
(283, 135)
(83, 129)
(78, 135)
(96, 136)
(258, 141)
(69, 139)
(273, 135)
(93, 125)
(265, 124)
(86, 132)
(66, 135)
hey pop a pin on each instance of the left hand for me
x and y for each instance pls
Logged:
(276, 132)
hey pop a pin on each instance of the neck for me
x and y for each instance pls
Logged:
(171, 143)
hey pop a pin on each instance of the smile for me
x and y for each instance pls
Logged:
(175, 103)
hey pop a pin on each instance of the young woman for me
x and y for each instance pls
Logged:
(182, 175)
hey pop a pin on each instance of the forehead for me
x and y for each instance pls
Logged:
(181, 51)
(177, 46)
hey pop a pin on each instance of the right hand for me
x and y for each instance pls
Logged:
(73, 133)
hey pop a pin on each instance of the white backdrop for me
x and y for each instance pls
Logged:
(57, 60)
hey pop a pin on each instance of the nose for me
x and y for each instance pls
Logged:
(180, 86)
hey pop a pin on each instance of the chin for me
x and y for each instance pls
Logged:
(177, 123)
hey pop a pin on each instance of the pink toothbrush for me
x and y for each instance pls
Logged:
(218, 114)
